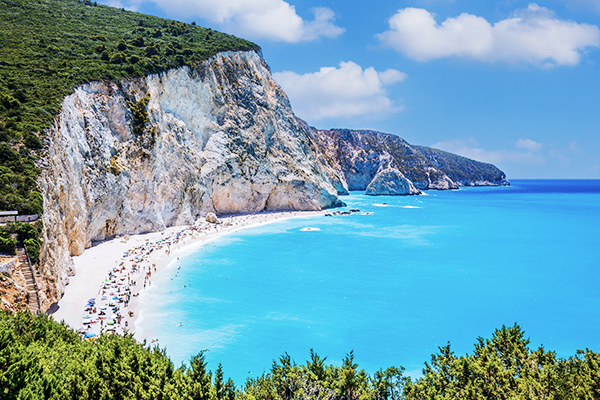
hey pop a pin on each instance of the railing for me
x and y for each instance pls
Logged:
(37, 291)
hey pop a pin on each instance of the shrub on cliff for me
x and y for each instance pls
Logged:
(118, 58)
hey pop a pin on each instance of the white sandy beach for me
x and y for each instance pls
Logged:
(114, 272)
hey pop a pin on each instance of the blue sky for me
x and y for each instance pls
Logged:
(514, 83)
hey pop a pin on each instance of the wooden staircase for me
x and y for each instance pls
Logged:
(32, 289)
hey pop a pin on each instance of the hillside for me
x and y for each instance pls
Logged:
(384, 164)
(462, 170)
(48, 47)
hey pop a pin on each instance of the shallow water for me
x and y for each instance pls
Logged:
(406, 275)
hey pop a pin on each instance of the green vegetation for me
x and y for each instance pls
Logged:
(48, 47)
(27, 234)
(40, 358)
(8, 244)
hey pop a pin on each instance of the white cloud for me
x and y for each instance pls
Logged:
(528, 144)
(274, 20)
(470, 148)
(340, 92)
(532, 35)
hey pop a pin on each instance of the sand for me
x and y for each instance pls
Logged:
(131, 261)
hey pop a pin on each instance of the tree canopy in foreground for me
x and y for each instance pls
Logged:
(43, 359)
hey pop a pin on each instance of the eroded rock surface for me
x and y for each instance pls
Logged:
(140, 155)
(381, 163)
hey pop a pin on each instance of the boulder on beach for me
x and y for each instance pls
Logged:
(212, 218)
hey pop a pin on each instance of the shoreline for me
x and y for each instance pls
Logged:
(127, 263)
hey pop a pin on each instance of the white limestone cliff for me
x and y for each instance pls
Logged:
(221, 138)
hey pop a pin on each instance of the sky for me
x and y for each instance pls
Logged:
(513, 83)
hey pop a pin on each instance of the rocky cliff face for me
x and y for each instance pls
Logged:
(384, 164)
(140, 155)
(464, 171)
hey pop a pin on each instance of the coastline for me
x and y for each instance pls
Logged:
(96, 263)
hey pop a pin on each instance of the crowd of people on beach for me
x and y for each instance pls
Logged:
(109, 311)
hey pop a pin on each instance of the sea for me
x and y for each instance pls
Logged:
(391, 283)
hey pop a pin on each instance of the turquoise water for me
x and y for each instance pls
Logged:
(392, 285)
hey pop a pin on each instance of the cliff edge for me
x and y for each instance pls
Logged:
(138, 155)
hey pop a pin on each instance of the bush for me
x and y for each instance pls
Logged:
(33, 249)
(7, 153)
(8, 245)
(134, 59)
(122, 45)
(104, 56)
(100, 48)
(151, 51)
(117, 58)
(33, 142)
(138, 41)
(8, 101)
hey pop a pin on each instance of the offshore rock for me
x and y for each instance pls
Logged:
(221, 138)
(390, 181)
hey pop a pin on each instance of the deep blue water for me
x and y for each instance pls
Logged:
(392, 285)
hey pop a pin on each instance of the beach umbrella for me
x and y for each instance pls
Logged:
(110, 322)
(86, 317)
(92, 300)
(89, 335)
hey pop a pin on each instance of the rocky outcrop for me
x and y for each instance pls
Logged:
(380, 163)
(392, 182)
(140, 155)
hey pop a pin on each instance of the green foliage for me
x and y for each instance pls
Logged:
(7, 244)
(33, 249)
(27, 234)
(118, 58)
(503, 367)
(139, 110)
(8, 101)
(48, 47)
(40, 358)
